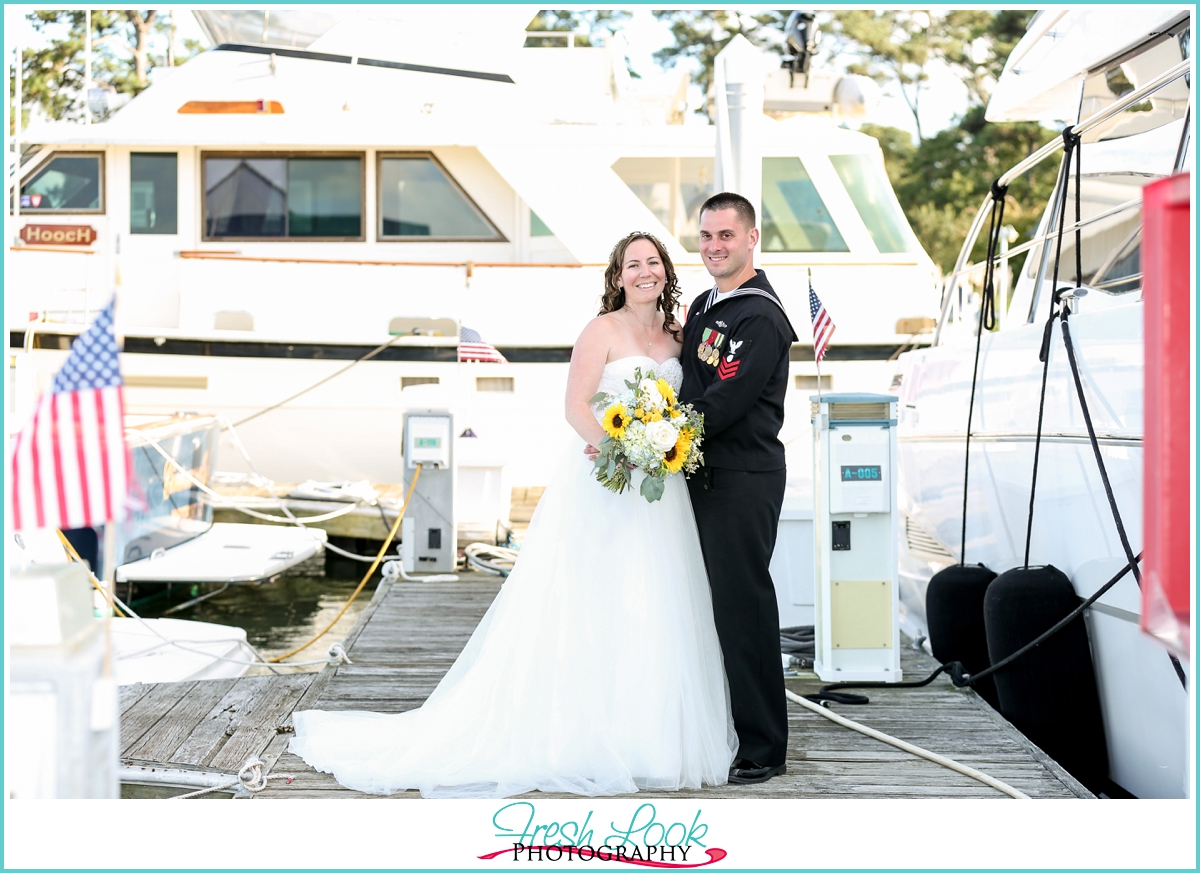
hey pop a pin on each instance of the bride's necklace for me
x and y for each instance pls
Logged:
(649, 342)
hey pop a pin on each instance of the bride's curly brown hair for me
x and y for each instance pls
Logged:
(614, 294)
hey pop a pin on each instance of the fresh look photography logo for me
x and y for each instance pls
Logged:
(643, 839)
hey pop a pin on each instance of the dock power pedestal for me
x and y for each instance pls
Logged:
(429, 532)
(854, 538)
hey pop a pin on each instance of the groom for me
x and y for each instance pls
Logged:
(735, 370)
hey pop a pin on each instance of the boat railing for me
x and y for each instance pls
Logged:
(953, 305)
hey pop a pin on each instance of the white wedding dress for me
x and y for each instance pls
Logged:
(595, 671)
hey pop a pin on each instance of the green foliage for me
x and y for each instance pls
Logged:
(942, 182)
(124, 44)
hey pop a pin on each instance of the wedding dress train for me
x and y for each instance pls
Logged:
(595, 671)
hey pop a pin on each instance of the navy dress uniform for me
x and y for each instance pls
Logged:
(735, 371)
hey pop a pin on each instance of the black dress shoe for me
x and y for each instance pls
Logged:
(745, 772)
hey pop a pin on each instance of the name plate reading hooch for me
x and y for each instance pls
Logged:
(58, 234)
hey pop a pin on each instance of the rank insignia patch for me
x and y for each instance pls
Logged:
(727, 366)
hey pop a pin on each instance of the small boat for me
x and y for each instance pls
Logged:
(176, 650)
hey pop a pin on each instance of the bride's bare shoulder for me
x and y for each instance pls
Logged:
(603, 328)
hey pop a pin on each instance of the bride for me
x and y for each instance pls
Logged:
(597, 669)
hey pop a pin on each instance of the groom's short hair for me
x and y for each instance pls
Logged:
(728, 200)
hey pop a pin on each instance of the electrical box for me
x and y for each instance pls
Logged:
(429, 530)
(855, 557)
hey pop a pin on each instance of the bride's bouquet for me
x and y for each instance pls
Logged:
(647, 428)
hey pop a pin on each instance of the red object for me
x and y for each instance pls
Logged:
(1167, 450)
(823, 325)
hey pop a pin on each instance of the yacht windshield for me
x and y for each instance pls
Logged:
(873, 198)
(673, 189)
(794, 217)
(1168, 104)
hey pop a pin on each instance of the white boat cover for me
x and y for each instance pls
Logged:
(175, 650)
(1044, 73)
(231, 553)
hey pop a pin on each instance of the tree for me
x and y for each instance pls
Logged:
(900, 45)
(701, 35)
(894, 45)
(941, 182)
(605, 21)
(123, 52)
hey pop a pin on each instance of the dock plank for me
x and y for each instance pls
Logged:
(149, 709)
(222, 720)
(258, 724)
(170, 733)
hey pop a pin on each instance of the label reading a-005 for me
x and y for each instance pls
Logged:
(427, 442)
(862, 473)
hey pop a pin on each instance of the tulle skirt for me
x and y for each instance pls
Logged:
(596, 670)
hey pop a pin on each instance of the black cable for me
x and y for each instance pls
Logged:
(955, 669)
(1070, 144)
(987, 321)
(1108, 492)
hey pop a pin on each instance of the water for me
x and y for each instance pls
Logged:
(278, 616)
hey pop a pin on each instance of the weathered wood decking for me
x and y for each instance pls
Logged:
(409, 636)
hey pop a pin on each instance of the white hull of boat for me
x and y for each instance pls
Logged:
(175, 650)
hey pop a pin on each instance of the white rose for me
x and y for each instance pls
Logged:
(649, 388)
(662, 436)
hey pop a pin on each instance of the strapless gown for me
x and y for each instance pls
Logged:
(595, 671)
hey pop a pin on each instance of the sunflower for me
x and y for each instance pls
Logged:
(675, 456)
(615, 420)
(665, 389)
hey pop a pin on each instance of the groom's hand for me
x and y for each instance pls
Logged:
(591, 451)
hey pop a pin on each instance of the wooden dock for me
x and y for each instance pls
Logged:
(410, 634)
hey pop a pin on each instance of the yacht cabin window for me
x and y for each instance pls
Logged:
(419, 200)
(876, 204)
(67, 183)
(673, 189)
(537, 227)
(794, 217)
(310, 197)
(154, 192)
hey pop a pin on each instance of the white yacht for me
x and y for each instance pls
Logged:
(1121, 77)
(322, 182)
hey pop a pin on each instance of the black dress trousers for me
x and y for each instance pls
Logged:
(737, 515)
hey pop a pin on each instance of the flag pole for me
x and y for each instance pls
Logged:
(818, 360)
(110, 581)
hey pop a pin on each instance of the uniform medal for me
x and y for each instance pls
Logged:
(710, 346)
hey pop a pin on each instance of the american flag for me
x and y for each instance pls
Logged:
(471, 347)
(823, 326)
(70, 465)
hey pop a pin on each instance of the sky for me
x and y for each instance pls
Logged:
(945, 98)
